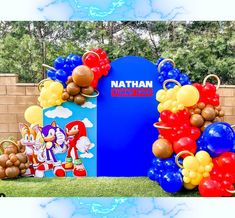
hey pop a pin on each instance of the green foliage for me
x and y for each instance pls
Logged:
(196, 47)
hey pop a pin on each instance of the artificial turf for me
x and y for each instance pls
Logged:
(87, 187)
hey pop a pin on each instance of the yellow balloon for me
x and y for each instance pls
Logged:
(47, 83)
(191, 163)
(197, 180)
(188, 95)
(33, 114)
(203, 157)
(56, 87)
(189, 186)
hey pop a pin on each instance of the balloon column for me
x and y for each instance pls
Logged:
(194, 148)
(72, 78)
(167, 70)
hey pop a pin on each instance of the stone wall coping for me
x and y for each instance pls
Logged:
(8, 75)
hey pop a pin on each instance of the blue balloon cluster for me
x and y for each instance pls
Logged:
(167, 174)
(216, 139)
(167, 71)
(64, 67)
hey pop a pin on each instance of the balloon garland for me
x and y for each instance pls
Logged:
(194, 148)
(72, 78)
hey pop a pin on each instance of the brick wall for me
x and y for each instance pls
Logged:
(16, 97)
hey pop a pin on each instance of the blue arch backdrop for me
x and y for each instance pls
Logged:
(121, 120)
(125, 131)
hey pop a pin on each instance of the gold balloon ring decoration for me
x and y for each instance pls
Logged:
(212, 76)
(89, 52)
(9, 141)
(41, 83)
(161, 127)
(170, 80)
(178, 156)
(91, 96)
(164, 61)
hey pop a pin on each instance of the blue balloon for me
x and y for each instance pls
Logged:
(51, 74)
(61, 75)
(59, 63)
(67, 68)
(218, 138)
(172, 74)
(170, 85)
(151, 174)
(183, 79)
(159, 61)
(158, 164)
(164, 74)
(167, 66)
(161, 79)
(75, 60)
(171, 182)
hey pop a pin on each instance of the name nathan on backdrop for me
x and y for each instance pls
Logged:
(130, 88)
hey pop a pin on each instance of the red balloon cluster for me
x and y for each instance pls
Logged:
(222, 177)
(178, 130)
(97, 60)
(208, 93)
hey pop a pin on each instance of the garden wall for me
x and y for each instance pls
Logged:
(16, 97)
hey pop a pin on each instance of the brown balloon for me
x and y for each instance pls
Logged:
(217, 119)
(162, 148)
(2, 173)
(206, 124)
(65, 96)
(12, 172)
(79, 99)
(3, 159)
(88, 90)
(208, 113)
(196, 120)
(72, 89)
(201, 105)
(71, 98)
(221, 113)
(82, 76)
(70, 79)
(197, 111)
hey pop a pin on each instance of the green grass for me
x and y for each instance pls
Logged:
(86, 187)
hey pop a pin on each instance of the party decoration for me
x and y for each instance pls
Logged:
(219, 138)
(162, 148)
(167, 174)
(207, 91)
(33, 115)
(195, 168)
(13, 160)
(50, 93)
(185, 144)
(190, 121)
(79, 86)
(99, 63)
(176, 98)
(167, 70)
(222, 177)
(187, 95)
(203, 115)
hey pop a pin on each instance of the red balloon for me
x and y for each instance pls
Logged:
(198, 86)
(164, 115)
(91, 60)
(226, 187)
(195, 133)
(185, 143)
(210, 188)
(209, 90)
(216, 174)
